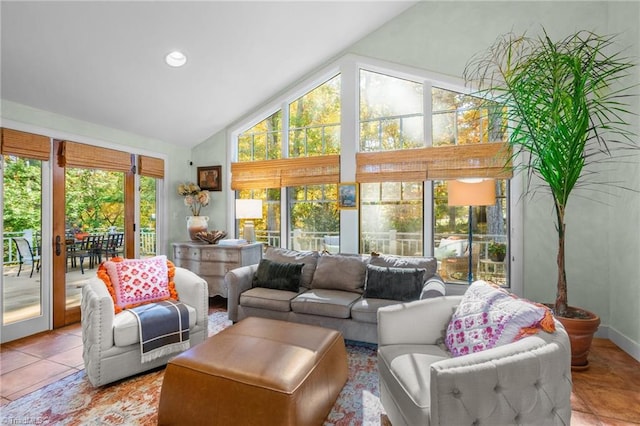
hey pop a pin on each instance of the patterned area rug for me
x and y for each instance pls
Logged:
(134, 401)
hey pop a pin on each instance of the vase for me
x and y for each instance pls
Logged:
(196, 224)
(580, 331)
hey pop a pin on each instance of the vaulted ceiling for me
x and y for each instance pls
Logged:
(103, 62)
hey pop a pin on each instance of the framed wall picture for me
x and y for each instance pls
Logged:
(348, 195)
(210, 178)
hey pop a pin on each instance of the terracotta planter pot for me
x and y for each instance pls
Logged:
(580, 331)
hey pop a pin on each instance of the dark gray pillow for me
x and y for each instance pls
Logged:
(402, 284)
(278, 276)
(309, 258)
(430, 264)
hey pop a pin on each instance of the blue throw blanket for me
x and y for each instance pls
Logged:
(164, 328)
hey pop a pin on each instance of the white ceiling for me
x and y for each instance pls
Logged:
(103, 62)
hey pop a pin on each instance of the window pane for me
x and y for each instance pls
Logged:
(391, 113)
(147, 216)
(460, 119)
(262, 141)
(314, 121)
(94, 208)
(489, 226)
(22, 217)
(314, 215)
(391, 218)
(267, 229)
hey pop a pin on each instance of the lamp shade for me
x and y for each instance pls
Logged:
(248, 209)
(472, 193)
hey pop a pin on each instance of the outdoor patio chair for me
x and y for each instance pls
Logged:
(113, 246)
(26, 255)
(90, 247)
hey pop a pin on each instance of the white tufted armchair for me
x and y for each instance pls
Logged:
(112, 341)
(525, 382)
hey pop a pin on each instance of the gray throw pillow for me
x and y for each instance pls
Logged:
(278, 276)
(430, 264)
(402, 284)
(309, 258)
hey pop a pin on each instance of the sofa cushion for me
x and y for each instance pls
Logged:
(366, 310)
(126, 330)
(278, 276)
(430, 264)
(489, 316)
(308, 258)
(326, 303)
(401, 284)
(340, 272)
(267, 298)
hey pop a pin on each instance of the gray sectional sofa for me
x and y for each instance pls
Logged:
(339, 291)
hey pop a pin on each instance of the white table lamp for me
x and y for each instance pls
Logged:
(246, 210)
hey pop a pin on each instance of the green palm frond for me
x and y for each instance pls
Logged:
(566, 106)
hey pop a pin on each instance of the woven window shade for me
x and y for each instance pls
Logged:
(310, 170)
(255, 174)
(430, 163)
(485, 160)
(74, 154)
(23, 144)
(151, 166)
(285, 172)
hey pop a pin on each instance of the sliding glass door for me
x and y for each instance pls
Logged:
(25, 289)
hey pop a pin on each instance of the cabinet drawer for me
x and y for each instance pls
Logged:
(220, 255)
(215, 269)
(186, 264)
(186, 253)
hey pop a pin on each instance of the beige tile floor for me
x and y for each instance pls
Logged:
(608, 393)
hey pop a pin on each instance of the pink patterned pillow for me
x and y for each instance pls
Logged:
(139, 281)
(489, 316)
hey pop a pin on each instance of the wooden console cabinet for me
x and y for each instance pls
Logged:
(212, 261)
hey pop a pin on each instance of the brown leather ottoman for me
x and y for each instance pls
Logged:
(256, 372)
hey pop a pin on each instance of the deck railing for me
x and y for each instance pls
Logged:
(147, 243)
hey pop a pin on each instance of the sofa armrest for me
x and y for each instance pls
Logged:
(193, 291)
(238, 280)
(97, 310)
(429, 317)
(433, 287)
(525, 382)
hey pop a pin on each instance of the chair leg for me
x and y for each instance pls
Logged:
(33, 264)
(82, 265)
(19, 268)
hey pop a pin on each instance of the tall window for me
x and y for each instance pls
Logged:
(312, 131)
(396, 164)
(391, 118)
(460, 119)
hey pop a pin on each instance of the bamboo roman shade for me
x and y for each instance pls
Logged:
(486, 160)
(74, 154)
(285, 172)
(151, 167)
(23, 144)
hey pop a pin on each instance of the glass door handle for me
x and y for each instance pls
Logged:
(58, 246)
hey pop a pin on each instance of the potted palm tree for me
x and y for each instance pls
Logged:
(565, 104)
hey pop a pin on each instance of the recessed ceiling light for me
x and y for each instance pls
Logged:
(175, 59)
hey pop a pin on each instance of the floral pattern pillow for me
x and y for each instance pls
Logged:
(135, 282)
(489, 316)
